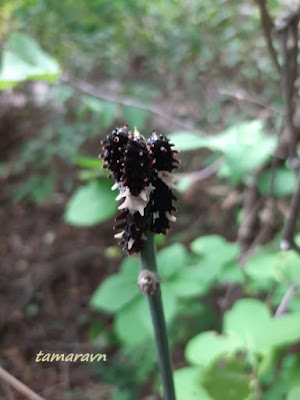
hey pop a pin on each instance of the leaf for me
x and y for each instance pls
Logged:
(91, 204)
(188, 386)
(208, 346)
(288, 266)
(171, 259)
(294, 393)
(245, 147)
(250, 321)
(261, 268)
(133, 323)
(136, 117)
(26, 60)
(228, 379)
(284, 182)
(185, 141)
(215, 248)
(114, 293)
(215, 252)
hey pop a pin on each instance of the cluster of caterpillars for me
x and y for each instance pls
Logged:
(142, 171)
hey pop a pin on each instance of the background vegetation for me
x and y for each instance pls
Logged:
(220, 79)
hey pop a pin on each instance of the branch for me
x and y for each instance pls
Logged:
(289, 230)
(282, 308)
(124, 101)
(148, 265)
(19, 386)
(267, 25)
(289, 74)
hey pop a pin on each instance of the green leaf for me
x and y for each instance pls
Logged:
(214, 248)
(188, 386)
(136, 117)
(91, 204)
(215, 252)
(208, 346)
(294, 393)
(245, 147)
(249, 320)
(185, 141)
(284, 182)
(25, 60)
(171, 259)
(288, 266)
(228, 379)
(114, 293)
(261, 268)
(133, 323)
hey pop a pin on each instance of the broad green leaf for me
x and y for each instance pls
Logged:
(228, 379)
(288, 266)
(245, 147)
(114, 293)
(261, 268)
(26, 60)
(294, 393)
(251, 321)
(91, 204)
(188, 386)
(185, 141)
(136, 117)
(284, 182)
(170, 260)
(189, 282)
(204, 348)
(133, 322)
(215, 248)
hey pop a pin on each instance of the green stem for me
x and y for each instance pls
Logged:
(148, 261)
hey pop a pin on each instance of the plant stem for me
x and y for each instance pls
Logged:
(148, 261)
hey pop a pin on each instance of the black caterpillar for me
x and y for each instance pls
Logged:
(143, 174)
(162, 197)
(114, 148)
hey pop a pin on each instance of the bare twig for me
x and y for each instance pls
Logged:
(124, 101)
(204, 173)
(282, 308)
(287, 24)
(19, 386)
(289, 230)
(240, 95)
(267, 25)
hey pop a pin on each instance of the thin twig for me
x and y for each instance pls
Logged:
(282, 308)
(124, 101)
(19, 386)
(204, 173)
(148, 262)
(289, 230)
(267, 25)
(241, 96)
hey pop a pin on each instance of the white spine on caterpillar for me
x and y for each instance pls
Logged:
(167, 178)
(135, 203)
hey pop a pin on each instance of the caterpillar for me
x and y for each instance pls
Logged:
(142, 171)
(161, 151)
(114, 149)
